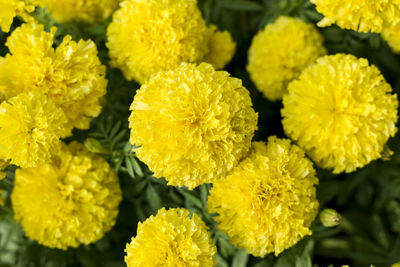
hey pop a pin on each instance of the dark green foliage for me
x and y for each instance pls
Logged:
(368, 199)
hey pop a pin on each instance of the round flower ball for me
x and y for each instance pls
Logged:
(146, 37)
(171, 238)
(30, 129)
(71, 75)
(268, 202)
(71, 201)
(341, 111)
(280, 52)
(359, 15)
(86, 11)
(192, 125)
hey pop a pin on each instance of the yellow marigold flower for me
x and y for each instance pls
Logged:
(221, 48)
(72, 201)
(280, 52)
(341, 112)
(30, 128)
(359, 15)
(87, 11)
(267, 203)
(392, 37)
(193, 124)
(395, 264)
(71, 75)
(146, 37)
(3, 165)
(171, 238)
(12, 8)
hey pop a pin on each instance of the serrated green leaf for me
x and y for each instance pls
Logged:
(153, 198)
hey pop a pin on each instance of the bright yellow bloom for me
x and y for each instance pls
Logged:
(30, 128)
(171, 238)
(71, 75)
(341, 111)
(280, 52)
(193, 124)
(146, 37)
(221, 48)
(395, 264)
(10, 9)
(392, 36)
(267, 203)
(72, 201)
(359, 15)
(87, 11)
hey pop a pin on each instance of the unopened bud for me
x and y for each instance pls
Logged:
(330, 218)
(94, 146)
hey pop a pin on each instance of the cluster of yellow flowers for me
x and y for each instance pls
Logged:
(146, 37)
(60, 90)
(364, 16)
(71, 201)
(190, 123)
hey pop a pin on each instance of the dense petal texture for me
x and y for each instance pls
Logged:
(359, 15)
(221, 48)
(87, 11)
(280, 52)
(30, 128)
(71, 75)
(148, 36)
(171, 238)
(192, 124)
(10, 9)
(267, 203)
(72, 201)
(341, 111)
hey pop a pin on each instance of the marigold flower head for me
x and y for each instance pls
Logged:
(171, 238)
(192, 124)
(221, 48)
(267, 203)
(71, 201)
(30, 128)
(341, 112)
(359, 15)
(12, 8)
(280, 52)
(87, 11)
(71, 75)
(146, 37)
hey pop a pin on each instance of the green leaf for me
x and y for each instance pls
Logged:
(129, 167)
(153, 198)
(240, 259)
(242, 5)
(136, 166)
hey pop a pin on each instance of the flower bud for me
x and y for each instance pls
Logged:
(330, 218)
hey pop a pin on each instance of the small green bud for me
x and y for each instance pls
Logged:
(94, 146)
(330, 218)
